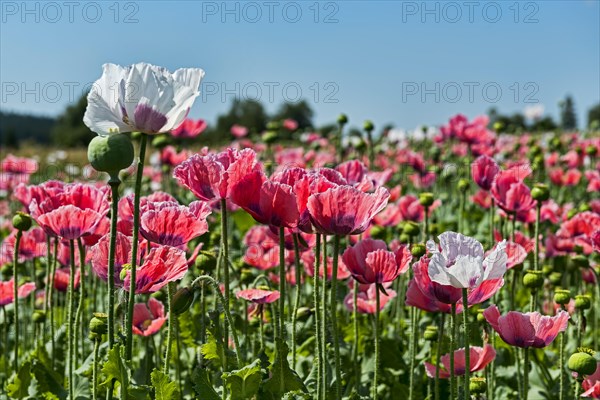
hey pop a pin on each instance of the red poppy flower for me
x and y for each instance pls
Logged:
(308, 258)
(480, 357)
(171, 224)
(344, 210)
(311, 183)
(509, 191)
(7, 291)
(258, 296)
(482, 199)
(163, 264)
(61, 279)
(189, 128)
(32, 245)
(25, 194)
(526, 330)
(366, 302)
(591, 384)
(369, 261)
(578, 232)
(561, 178)
(148, 318)
(98, 255)
(262, 249)
(484, 170)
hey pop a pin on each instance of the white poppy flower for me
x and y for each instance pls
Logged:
(461, 264)
(141, 98)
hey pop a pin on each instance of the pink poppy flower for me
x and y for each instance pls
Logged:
(189, 128)
(369, 261)
(61, 279)
(163, 264)
(171, 224)
(578, 232)
(258, 296)
(19, 165)
(267, 201)
(213, 176)
(344, 210)
(7, 291)
(593, 178)
(239, 131)
(355, 173)
(290, 124)
(415, 297)
(480, 357)
(308, 259)
(516, 254)
(98, 255)
(561, 178)
(596, 240)
(591, 384)
(32, 245)
(25, 194)
(526, 330)
(509, 191)
(482, 199)
(171, 157)
(366, 302)
(262, 249)
(148, 318)
(484, 170)
(126, 204)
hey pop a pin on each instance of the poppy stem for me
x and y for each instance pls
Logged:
(48, 268)
(452, 345)
(467, 344)
(16, 297)
(438, 355)
(170, 287)
(297, 296)
(95, 370)
(492, 224)
(525, 373)
(282, 283)
(51, 298)
(71, 311)
(262, 328)
(355, 320)
(225, 255)
(319, 359)
(412, 352)
(561, 366)
(324, 319)
(110, 278)
(81, 292)
(376, 374)
(333, 301)
(577, 388)
(134, 245)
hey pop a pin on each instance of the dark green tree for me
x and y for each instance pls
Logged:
(300, 112)
(70, 131)
(249, 113)
(594, 115)
(568, 118)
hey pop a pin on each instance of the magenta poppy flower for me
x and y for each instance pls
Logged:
(480, 357)
(213, 176)
(269, 202)
(596, 240)
(189, 128)
(591, 384)
(370, 262)
(25, 194)
(262, 249)
(171, 157)
(526, 330)
(344, 210)
(509, 191)
(258, 296)
(311, 183)
(366, 301)
(561, 178)
(593, 178)
(148, 318)
(32, 245)
(7, 291)
(98, 255)
(163, 264)
(308, 259)
(484, 170)
(239, 131)
(61, 279)
(578, 231)
(171, 224)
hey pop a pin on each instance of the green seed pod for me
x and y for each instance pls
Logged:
(431, 333)
(533, 280)
(378, 232)
(547, 269)
(342, 119)
(540, 192)
(426, 199)
(182, 300)
(360, 145)
(418, 250)
(480, 316)
(404, 238)
(411, 228)
(303, 313)
(111, 153)
(591, 150)
(478, 385)
(99, 324)
(39, 316)
(562, 296)
(584, 207)
(368, 125)
(555, 278)
(206, 261)
(582, 363)
(583, 302)
(21, 221)
(463, 185)
(269, 137)
(580, 261)
(160, 141)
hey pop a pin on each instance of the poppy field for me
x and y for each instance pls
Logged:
(458, 264)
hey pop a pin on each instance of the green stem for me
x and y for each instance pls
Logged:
(561, 366)
(525, 373)
(110, 278)
(492, 224)
(51, 298)
(225, 259)
(134, 245)
(438, 355)
(281, 301)
(16, 297)
(297, 296)
(411, 349)
(79, 312)
(577, 388)
(452, 345)
(70, 332)
(467, 344)
(170, 287)
(355, 320)
(316, 300)
(95, 370)
(333, 301)
(324, 318)
(376, 374)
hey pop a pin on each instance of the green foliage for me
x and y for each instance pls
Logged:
(593, 116)
(299, 112)
(202, 385)
(18, 387)
(114, 368)
(568, 118)
(244, 383)
(16, 128)
(283, 379)
(164, 388)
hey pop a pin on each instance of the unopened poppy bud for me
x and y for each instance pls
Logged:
(368, 125)
(547, 269)
(498, 126)
(435, 153)
(39, 316)
(431, 333)
(404, 238)
(581, 261)
(480, 316)
(111, 153)
(478, 385)
(21, 221)
(562, 296)
(582, 362)
(540, 192)
(378, 232)
(411, 228)
(583, 302)
(269, 137)
(303, 313)
(6, 272)
(182, 300)
(99, 324)
(124, 269)
(463, 185)
(591, 150)
(533, 280)
(342, 119)
(206, 261)
(555, 278)
(426, 199)
(555, 143)
(418, 250)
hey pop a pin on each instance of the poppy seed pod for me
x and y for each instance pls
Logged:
(533, 280)
(591, 150)
(342, 119)
(269, 137)
(498, 126)
(39, 316)
(562, 296)
(21, 221)
(585, 207)
(480, 316)
(99, 324)
(572, 212)
(418, 250)
(582, 362)
(555, 278)
(411, 228)
(303, 313)
(111, 153)
(583, 302)
(431, 333)
(378, 232)
(463, 185)
(182, 300)
(477, 385)
(368, 126)
(426, 199)
(206, 261)
(540, 192)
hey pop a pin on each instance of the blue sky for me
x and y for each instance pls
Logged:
(400, 62)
